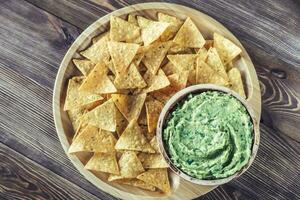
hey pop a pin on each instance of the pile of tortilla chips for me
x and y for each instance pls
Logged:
(128, 74)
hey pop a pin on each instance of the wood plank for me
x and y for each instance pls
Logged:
(20, 178)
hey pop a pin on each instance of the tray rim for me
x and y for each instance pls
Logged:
(58, 88)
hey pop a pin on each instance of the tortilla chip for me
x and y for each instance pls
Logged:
(202, 54)
(130, 166)
(205, 74)
(158, 178)
(92, 139)
(131, 79)
(155, 82)
(129, 105)
(75, 115)
(132, 19)
(226, 49)
(169, 69)
(208, 44)
(98, 37)
(174, 25)
(143, 118)
(136, 183)
(177, 82)
(153, 109)
(81, 127)
(121, 30)
(122, 54)
(103, 116)
(103, 162)
(189, 35)
(236, 83)
(151, 161)
(121, 123)
(138, 58)
(177, 49)
(154, 57)
(151, 30)
(154, 144)
(214, 61)
(85, 66)
(76, 98)
(97, 81)
(98, 52)
(133, 139)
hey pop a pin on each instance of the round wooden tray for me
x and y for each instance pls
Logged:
(181, 189)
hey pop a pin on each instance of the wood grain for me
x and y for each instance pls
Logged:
(19, 176)
(33, 42)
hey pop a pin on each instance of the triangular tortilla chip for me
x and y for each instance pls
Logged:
(121, 30)
(189, 35)
(169, 69)
(151, 30)
(202, 52)
(98, 52)
(129, 105)
(174, 26)
(151, 161)
(133, 139)
(131, 79)
(136, 183)
(214, 61)
(205, 74)
(92, 139)
(97, 81)
(236, 83)
(155, 82)
(122, 54)
(103, 162)
(130, 166)
(85, 66)
(153, 109)
(103, 116)
(80, 128)
(154, 57)
(158, 178)
(121, 123)
(154, 144)
(76, 98)
(75, 116)
(226, 49)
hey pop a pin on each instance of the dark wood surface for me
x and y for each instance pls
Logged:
(35, 35)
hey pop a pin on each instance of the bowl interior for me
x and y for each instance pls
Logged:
(181, 96)
(205, 24)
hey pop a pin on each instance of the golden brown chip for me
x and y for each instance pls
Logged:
(169, 69)
(136, 183)
(151, 161)
(132, 19)
(98, 37)
(133, 139)
(151, 30)
(92, 139)
(153, 109)
(205, 74)
(75, 116)
(226, 49)
(158, 178)
(129, 105)
(121, 123)
(215, 62)
(121, 30)
(154, 144)
(189, 35)
(236, 83)
(85, 66)
(174, 25)
(103, 162)
(103, 116)
(202, 52)
(155, 82)
(97, 81)
(130, 166)
(122, 54)
(130, 79)
(76, 98)
(154, 57)
(98, 52)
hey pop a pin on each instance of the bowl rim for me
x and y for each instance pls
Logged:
(181, 95)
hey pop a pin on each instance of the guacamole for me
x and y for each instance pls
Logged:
(209, 135)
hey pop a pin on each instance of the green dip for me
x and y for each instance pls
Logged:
(209, 135)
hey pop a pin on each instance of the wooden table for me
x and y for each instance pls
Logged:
(35, 35)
